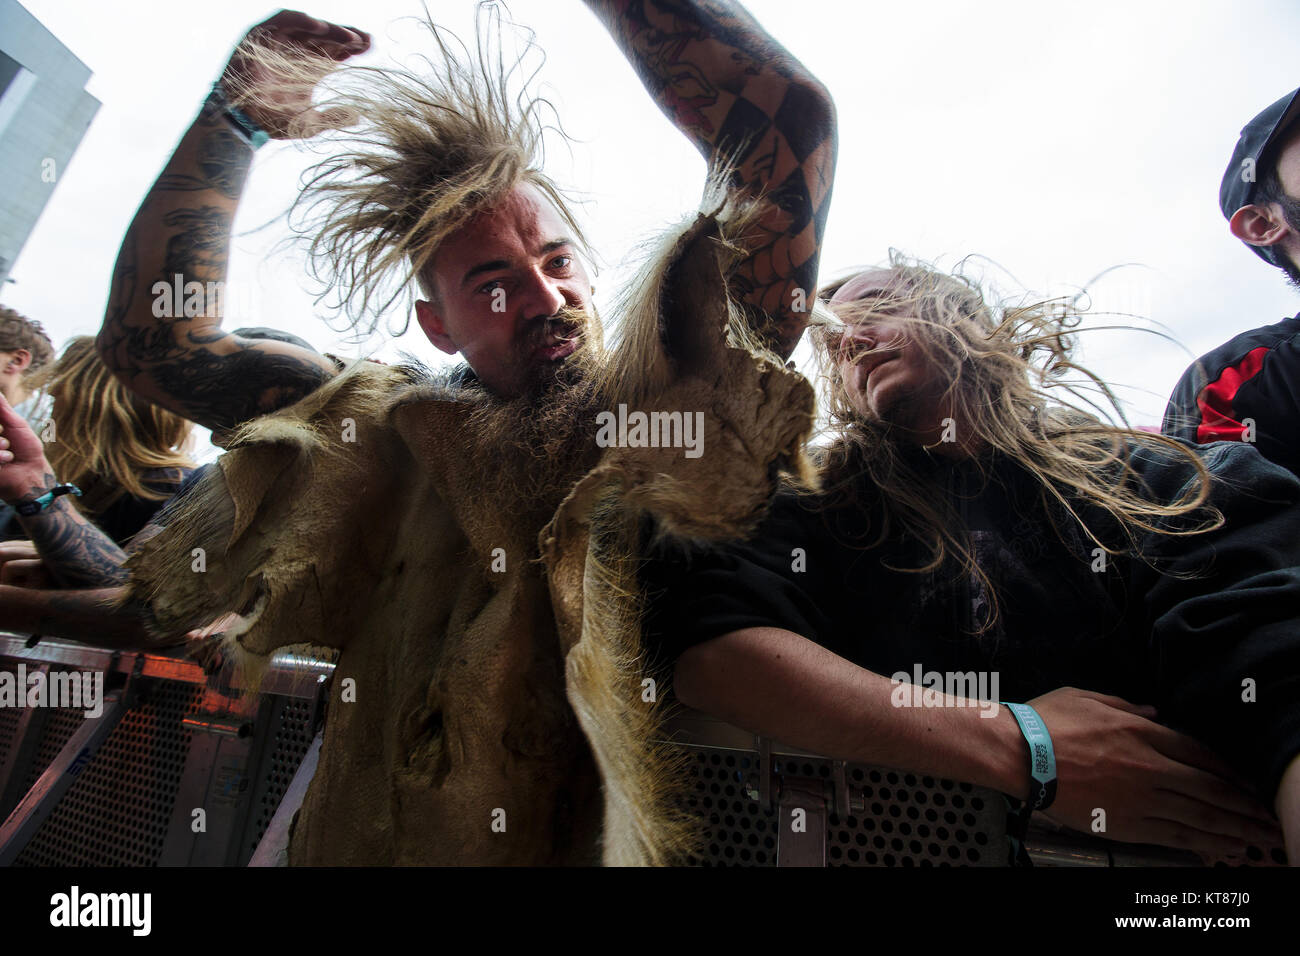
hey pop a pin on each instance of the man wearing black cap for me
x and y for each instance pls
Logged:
(1248, 389)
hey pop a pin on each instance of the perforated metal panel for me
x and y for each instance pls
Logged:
(919, 821)
(60, 725)
(291, 720)
(9, 717)
(904, 820)
(118, 810)
(735, 830)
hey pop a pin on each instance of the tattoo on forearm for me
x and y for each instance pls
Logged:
(745, 101)
(224, 160)
(205, 383)
(77, 553)
(200, 249)
(190, 361)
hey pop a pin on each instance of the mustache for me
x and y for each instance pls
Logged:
(567, 324)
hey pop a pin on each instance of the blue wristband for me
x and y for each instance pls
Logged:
(1042, 758)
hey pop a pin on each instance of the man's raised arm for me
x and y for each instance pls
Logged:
(181, 234)
(742, 98)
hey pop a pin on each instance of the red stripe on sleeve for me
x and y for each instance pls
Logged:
(1215, 400)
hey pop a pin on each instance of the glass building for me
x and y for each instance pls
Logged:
(44, 112)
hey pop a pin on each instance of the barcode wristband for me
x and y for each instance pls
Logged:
(1042, 758)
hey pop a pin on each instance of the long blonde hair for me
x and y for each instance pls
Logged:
(105, 436)
(1014, 390)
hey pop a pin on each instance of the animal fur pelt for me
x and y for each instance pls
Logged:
(488, 702)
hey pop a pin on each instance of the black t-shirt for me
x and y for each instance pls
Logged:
(121, 519)
(813, 569)
(1199, 626)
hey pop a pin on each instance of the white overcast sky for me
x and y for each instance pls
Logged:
(1056, 140)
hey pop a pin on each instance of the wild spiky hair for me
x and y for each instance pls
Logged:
(425, 150)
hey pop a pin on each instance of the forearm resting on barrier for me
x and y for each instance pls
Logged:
(1155, 785)
(88, 616)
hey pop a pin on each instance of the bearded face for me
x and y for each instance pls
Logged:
(558, 351)
(511, 295)
(530, 449)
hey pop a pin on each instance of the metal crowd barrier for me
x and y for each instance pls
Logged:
(173, 773)
(747, 789)
(762, 803)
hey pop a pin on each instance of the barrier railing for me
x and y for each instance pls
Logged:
(173, 773)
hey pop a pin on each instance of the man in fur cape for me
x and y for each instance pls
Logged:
(464, 541)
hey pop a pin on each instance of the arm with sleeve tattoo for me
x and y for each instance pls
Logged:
(181, 234)
(80, 557)
(742, 98)
(76, 552)
(73, 550)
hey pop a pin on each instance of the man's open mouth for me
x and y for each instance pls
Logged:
(559, 342)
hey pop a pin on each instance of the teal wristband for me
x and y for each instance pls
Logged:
(253, 134)
(1042, 758)
(37, 505)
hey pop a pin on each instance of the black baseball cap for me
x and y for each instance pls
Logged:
(1238, 186)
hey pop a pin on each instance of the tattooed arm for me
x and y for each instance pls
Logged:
(181, 234)
(72, 548)
(74, 551)
(82, 559)
(742, 98)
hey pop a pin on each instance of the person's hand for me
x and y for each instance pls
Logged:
(27, 573)
(21, 566)
(1152, 784)
(1287, 803)
(22, 456)
(206, 647)
(274, 69)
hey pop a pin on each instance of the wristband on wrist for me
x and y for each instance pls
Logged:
(1042, 758)
(247, 130)
(36, 505)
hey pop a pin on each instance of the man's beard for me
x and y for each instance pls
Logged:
(533, 448)
(1291, 212)
(569, 324)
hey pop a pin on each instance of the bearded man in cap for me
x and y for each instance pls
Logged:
(1248, 389)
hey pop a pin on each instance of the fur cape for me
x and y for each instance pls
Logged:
(490, 703)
